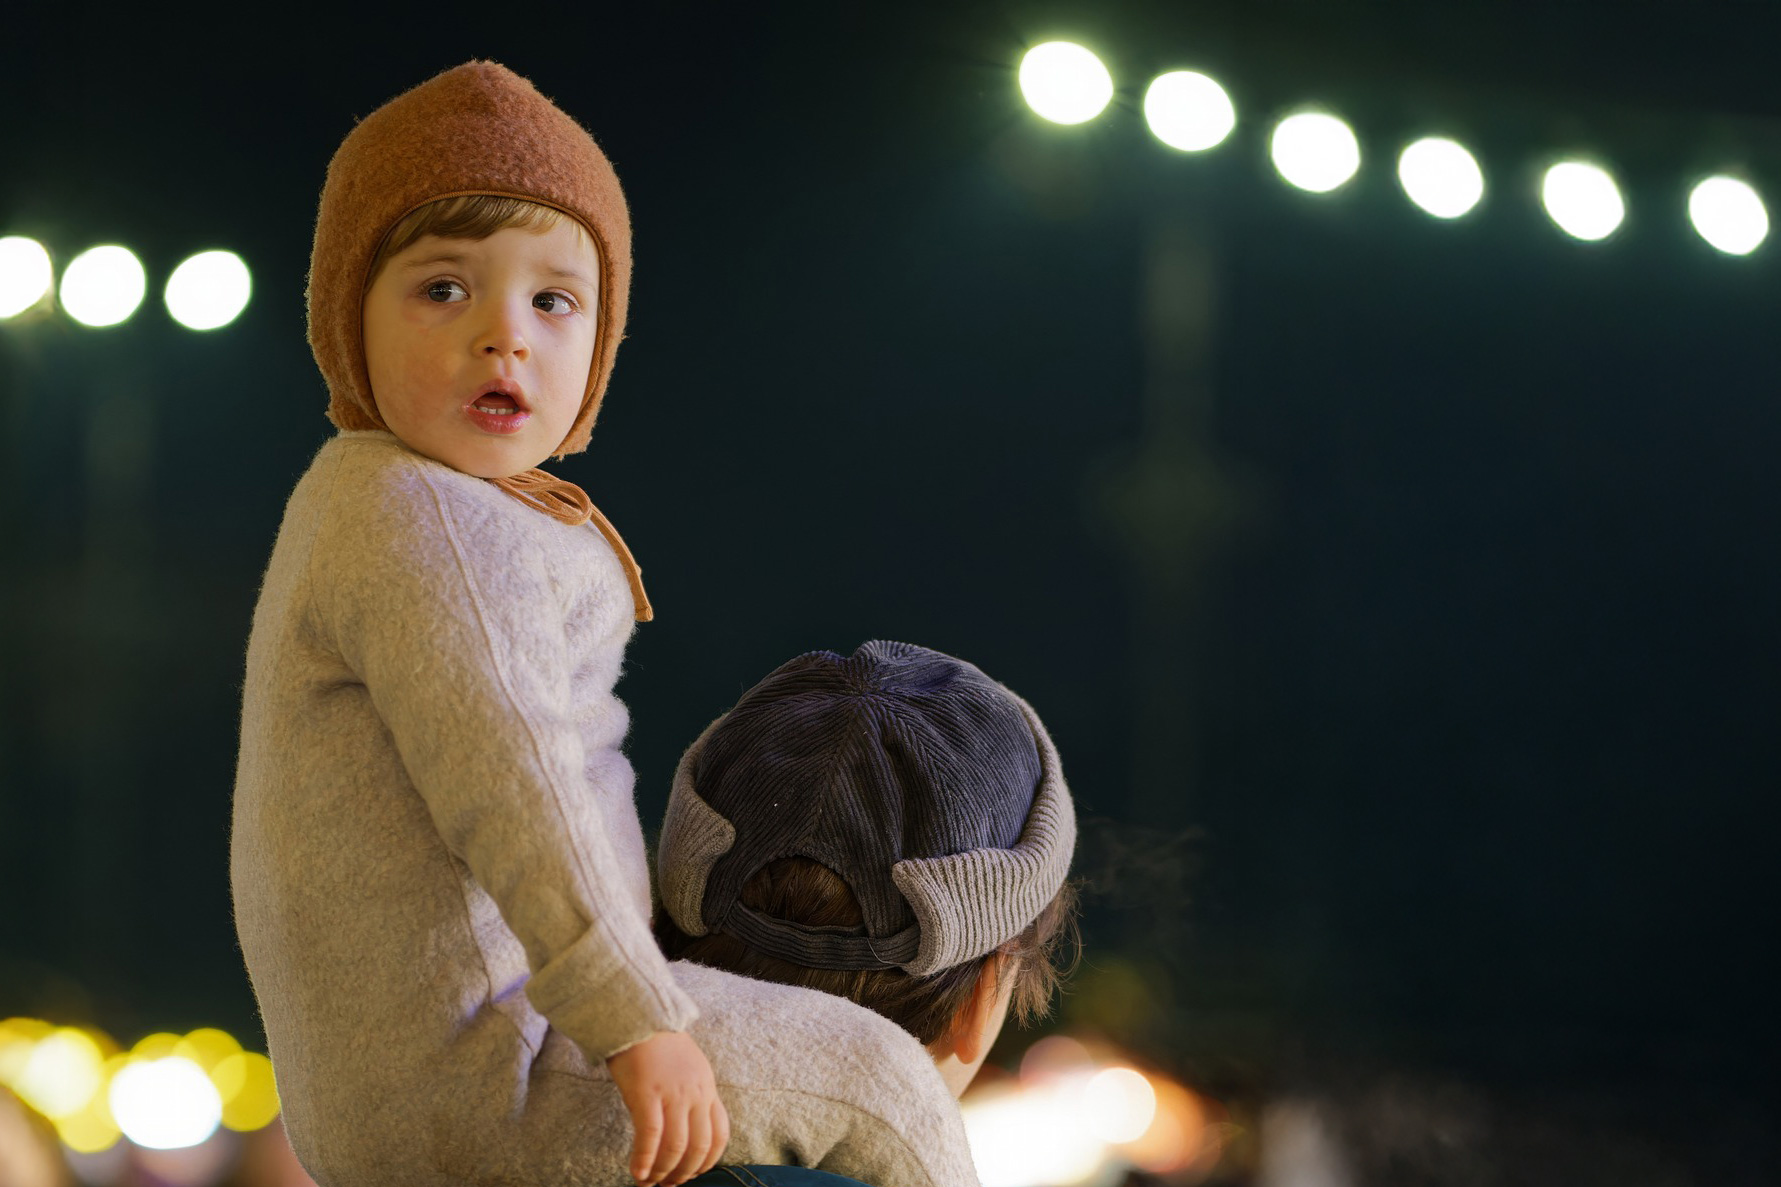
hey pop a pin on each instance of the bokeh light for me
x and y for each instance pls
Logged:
(1053, 1056)
(1188, 111)
(62, 1073)
(103, 286)
(1118, 1104)
(25, 274)
(78, 1079)
(93, 1129)
(1440, 176)
(155, 1046)
(1315, 151)
(165, 1104)
(208, 290)
(1583, 200)
(1064, 82)
(1032, 1137)
(18, 1037)
(1177, 1136)
(249, 1095)
(207, 1047)
(1729, 214)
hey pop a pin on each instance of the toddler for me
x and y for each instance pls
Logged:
(439, 875)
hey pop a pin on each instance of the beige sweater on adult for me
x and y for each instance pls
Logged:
(439, 874)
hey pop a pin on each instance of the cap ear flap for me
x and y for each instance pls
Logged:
(969, 904)
(694, 836)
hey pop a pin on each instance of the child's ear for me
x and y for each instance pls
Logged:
(971, 1026)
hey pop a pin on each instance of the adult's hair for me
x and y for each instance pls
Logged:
(803, 891)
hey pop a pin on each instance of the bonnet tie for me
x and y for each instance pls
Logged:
(567, 503)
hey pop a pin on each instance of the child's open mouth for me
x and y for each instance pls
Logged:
(497, 412)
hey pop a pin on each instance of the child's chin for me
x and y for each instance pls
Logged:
(492, 463)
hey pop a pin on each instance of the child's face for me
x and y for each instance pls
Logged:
(447, 320)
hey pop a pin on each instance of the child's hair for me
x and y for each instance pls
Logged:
(806, 892)
(467, 216)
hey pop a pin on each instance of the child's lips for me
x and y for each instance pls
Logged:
(499, 415)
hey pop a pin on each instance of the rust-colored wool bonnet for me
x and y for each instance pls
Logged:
(478, 128)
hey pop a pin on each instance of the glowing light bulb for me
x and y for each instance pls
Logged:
(1064, 82)
(1188, 111)
(25, 274)
(103, 286)
(1441, 177)
(1583, 200)
(1729, 214)
(1315, 151)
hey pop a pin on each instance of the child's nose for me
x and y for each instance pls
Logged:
(502, 332)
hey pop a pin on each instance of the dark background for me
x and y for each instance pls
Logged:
(1417, 686)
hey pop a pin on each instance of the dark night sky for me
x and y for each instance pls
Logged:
(1484, 685)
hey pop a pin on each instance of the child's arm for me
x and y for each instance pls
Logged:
(681, 1126)
(456, 635)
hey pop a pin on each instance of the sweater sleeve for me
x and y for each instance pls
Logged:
(452, 626)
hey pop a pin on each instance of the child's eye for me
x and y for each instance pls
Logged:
(564, 303)
(440, 291)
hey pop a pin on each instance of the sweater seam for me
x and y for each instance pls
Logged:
(488, 976)
(588, 883)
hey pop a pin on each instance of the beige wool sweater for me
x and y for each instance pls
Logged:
(439, 875)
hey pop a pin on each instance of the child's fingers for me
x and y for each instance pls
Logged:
(720, 1136)
(647, 1121)
(673, 1147)
(698, 1145)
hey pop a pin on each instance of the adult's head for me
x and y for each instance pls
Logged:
(892, 827)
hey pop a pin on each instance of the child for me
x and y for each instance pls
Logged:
(892, 828)
(439, 876)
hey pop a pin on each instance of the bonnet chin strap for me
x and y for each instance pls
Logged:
(562, 500)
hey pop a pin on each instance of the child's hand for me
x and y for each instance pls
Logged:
(681, 1125)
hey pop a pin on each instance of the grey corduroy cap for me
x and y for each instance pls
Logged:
(931, 790)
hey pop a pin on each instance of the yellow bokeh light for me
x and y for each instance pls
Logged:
(1583, 200)
(1315, 151)
(25, 274)
(62, 1073)
(18, 1036)
(93, 1128)
(1064, 82)
(86, 1135)
(27, 1029)
(1188, 111)
(103, 286)
(156, 1046)
(209, 290)
(207, 1047)
(250, 1096)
